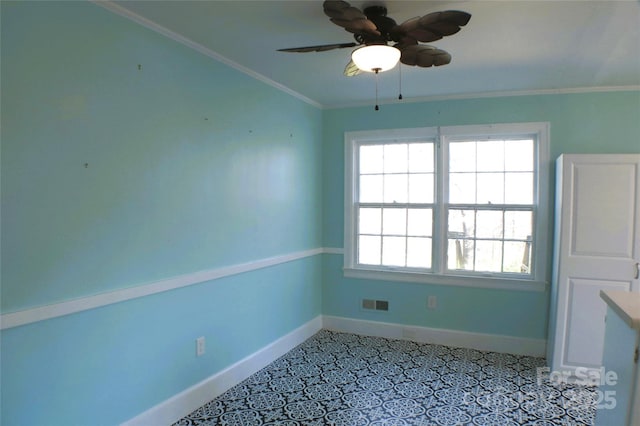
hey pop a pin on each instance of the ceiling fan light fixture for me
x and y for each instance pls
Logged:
(375, 57)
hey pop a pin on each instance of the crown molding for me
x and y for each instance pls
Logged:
(126, 13)
(498, 94)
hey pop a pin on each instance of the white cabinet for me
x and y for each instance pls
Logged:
(596, 247)
(619, 392)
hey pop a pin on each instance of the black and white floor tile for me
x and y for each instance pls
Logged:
(348, 380)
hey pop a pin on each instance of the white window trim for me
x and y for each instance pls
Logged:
(541, 259)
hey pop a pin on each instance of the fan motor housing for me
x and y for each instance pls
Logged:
(375, 10)
(378, 15)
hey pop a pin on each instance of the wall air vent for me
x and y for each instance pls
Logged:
(375, 305)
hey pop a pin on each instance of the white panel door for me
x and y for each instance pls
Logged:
(597, 247)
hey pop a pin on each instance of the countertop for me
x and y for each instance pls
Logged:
(626, 304)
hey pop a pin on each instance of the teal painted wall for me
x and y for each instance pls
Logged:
(579, 123)
(190, 164)
(107, 365)
(128, 158)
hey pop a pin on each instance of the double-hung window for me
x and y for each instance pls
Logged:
(463, 205)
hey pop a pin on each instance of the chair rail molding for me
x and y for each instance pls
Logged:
(41, 313)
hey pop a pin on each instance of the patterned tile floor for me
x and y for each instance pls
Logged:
(345, 379)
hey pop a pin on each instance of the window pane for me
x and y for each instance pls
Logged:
(462, 188)
(396, 158)
(461, 224)
(488, 185)
(421, 157)
(420, 222)
(518, 155)
(371, 158)
(394, 222)
(371, 189)
(421, 188)
(369, 250)
(489, 224)
(490, 156)
(370, 221)
(488, 256)
(419, 252)
(490, 188)
(395, 188)
(393, 251)
(519, 188)
(462, 156)
(517, 257)
(460, 254)
(517, 225)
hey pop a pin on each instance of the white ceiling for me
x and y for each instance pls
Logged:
(508, 46)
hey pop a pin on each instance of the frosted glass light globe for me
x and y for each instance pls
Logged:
(376, 57)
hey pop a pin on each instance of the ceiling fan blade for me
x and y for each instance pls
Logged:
(424, 36)
(431, 27)
(408, 25)
(319, 48)
(352, 69)
(357, 26)
(442, 58)
(352, 13)
(350, 18)
(458, 17)
(334, 8)
(412, 30)
(444, 23)
(424, 56)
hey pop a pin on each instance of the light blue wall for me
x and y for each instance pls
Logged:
(580, 123)
(115, 176)
(107, 365)
(190, 164)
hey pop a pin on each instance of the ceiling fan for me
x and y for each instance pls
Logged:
(372, 27)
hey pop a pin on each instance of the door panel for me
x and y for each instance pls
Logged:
(603, 210)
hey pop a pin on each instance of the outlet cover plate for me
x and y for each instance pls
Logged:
(200, 346)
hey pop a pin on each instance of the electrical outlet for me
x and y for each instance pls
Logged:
(432, 302)
(200, 346)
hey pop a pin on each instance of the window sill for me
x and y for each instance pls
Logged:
(453, 280)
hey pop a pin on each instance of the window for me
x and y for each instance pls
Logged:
(451, 205)
(395, 204)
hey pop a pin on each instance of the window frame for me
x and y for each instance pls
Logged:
(438, 274)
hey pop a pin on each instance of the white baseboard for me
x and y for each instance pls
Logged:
(455, 338)
(187, 401)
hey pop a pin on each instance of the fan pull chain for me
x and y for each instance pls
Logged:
(376, 70)
(400, 85)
